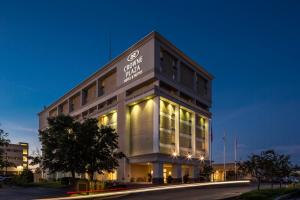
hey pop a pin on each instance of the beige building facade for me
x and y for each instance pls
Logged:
(158, 100)
(17, 155)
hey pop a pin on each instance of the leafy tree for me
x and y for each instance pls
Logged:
(59, 145)
(206, 171)
(254, 166)
(269, 159)
(35, 159)
(4, 141)
(267, 165)
(284, 167)
(99, 148)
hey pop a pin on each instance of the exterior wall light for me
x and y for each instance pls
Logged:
(202, 158)
(174, 154)
(189, 156)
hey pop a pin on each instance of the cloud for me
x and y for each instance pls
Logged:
(289, 149)
(12, 126)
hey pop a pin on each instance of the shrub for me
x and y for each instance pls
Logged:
(26, 176)
(65, 180)
(169, 179)
(186, 178)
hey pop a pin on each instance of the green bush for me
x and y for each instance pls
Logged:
(186, 178)
(169, 179)
(26, 177)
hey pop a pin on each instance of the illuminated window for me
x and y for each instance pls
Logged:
(25, 151)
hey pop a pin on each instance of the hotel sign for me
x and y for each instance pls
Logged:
(133, 68)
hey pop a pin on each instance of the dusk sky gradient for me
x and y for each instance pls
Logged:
(251, 47)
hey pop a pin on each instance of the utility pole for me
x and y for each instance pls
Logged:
(224, 167)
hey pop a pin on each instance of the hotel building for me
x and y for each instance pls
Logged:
(17, 154)
(158, 100)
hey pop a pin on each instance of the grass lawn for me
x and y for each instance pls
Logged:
(266, 194)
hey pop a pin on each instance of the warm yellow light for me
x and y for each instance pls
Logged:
(189, 156)
(19, 168)
(201, 158)
(174, 154)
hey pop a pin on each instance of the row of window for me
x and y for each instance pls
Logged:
(169, 68)
(167, 128)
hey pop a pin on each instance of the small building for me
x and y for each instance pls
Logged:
(219, 175)
(158, 100)
(17, 154)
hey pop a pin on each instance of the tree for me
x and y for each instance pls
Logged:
(35, 159)
(284, 167)
(4, 141)
(269, 159)
(254, 166)
(206, 171)
(59, 145)
(99, 148)
(267, 165)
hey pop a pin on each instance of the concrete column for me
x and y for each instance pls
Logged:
(97, 88)
(193, 134)
(123, 140)
(176, 173)
(158, 174)
(195, 172)
(208, 143)
(156, 115)
(177, 123)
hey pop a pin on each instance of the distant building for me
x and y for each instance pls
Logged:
(158, 100)
(219, 174)
(17, 154)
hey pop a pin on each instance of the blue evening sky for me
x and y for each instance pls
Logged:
(251, 47)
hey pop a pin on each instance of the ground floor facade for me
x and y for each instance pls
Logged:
(162, 139)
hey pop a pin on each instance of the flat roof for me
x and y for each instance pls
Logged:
(151, 35)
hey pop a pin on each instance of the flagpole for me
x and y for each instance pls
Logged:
(224, 138)
(235, 161)
(211, 141)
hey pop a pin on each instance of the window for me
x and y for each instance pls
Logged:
(201, 85)
(100, 88)
(25, 152)
(168, 65)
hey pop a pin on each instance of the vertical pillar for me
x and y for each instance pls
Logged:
(157, 173)
(195, 172)
(193, 134)
(156, 115)
(176, 173)
(208, 140)
(97, 88)
(177, 122)
(123, 140)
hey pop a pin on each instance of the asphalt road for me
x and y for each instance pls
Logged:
(27, 193)
(196, 193)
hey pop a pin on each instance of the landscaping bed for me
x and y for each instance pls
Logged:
(266, 194)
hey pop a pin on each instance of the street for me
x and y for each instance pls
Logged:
(196, 193)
